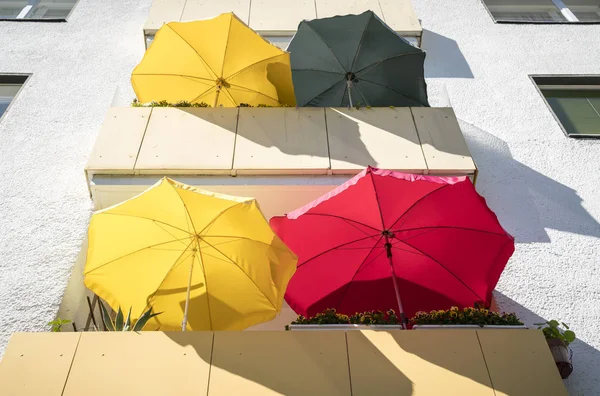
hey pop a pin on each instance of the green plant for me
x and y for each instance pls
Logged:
(330, 316)
(164, 103)
(124, 324)
(57, 324)
(551, 329)
(468, 316)
(185, 103)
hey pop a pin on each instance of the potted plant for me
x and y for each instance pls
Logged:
(332, 320)
(470, 317)
(125, 324)
(558, 340)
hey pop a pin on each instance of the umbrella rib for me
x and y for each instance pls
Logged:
(393, 90)
(145, 218)
(328, 88)
(202, 94)
(132, 253)
(217, 217)
(188, 217)
(330, 49)
(320, 71)
(244, 272)
(416, 203)
(451, 227)
(226, 45)
(444, 267)
(386, 59)
(362, 36)
(332, 249)
(342, 218)
(197, 53)
(358, 269)
(174, 75)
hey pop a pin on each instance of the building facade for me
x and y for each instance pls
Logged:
(535, 173)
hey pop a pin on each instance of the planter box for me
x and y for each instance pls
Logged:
(488, 327)
(342, 327)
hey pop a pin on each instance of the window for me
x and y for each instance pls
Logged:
(574, 101)
(51, 10)
(9, 87)
(544, 11)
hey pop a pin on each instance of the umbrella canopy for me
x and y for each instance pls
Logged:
(388, 240)
(188, 253)
(219, 61)
(344, 60)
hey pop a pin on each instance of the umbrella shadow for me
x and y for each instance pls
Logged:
(444, 58)
(272, 360)
(586, 358)
(526, 201)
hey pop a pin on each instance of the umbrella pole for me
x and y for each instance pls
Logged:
(187, 297)
(349, 85)
(388, 248)
(217, 96)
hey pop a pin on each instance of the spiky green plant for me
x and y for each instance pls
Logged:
(124, 324)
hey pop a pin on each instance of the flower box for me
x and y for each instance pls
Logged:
(484, 327)
(341, 327)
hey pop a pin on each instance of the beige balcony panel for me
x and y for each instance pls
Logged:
(443, 143)
(280, 17)
(279, 363)
(207, 9)
(400, 16)
(185, 140)
(281, 140)
(141, 363)
(37, 364)
(161, 12)
(416, 363)
(520, 363)
(381, 137)
(119, 140)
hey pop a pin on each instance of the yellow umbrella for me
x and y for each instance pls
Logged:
(219, 61)
(207, 261)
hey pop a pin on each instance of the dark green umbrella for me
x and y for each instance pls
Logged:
(355, 59)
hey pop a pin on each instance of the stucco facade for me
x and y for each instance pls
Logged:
(543, 186)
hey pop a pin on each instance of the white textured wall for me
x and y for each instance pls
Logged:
(45, 139)
(544, 186)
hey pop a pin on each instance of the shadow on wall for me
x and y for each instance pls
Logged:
(444, 58)
(527, 202)
(586, 358)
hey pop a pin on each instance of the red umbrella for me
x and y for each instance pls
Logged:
(388, 240)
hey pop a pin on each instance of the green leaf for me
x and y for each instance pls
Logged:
(106, 318)
(146, 316)
(565, 325)
(569, 336)
(119, 320)
(127, 324)
(553, 323)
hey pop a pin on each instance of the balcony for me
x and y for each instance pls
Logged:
(432, 362)
(285, 157)
(278, 21)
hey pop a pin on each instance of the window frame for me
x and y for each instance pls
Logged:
(558, 3)
(51, 20)
(13, 78)
(566, 80)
